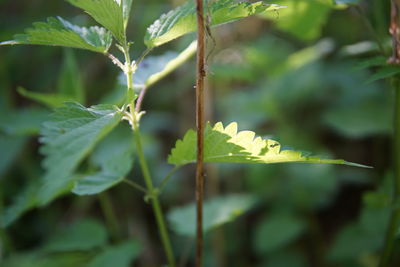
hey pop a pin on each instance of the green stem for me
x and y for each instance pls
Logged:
(109, 215)
(166, 179)
(154, 200)
(394, 222)
(135, 185)
(152, 192)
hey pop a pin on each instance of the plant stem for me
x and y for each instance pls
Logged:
(135, 185)
(201, 73)
(109, 215)
(166, 179)
(143, 164)
(394, 222)
(392, 229)
(154, 200)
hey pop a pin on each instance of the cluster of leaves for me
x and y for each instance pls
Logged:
(88, 151)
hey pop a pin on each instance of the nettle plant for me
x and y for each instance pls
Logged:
(75, 133)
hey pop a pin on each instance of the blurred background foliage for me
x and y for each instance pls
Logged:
(301, 75)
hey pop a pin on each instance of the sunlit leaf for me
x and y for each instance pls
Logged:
(228, 145)
(81, 235)
(277, 230)
(120, 255)
(59, 32)
(217, 211)
(109, 13)
(51, 100)
(182, 20)
(68, 138)
(114, 158)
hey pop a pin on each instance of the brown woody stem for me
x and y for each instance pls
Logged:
(201, 44)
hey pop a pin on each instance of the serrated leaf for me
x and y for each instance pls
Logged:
(228, 145)
(114, 158)
(68, 138)
(154, 68)
(217, 211)
(384, 72)
(120, 255)
(81, 235)
(59, 32)
(109, 13)
(182, 20)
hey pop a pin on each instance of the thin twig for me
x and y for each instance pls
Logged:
(201, 73)
(136, 186)
(166, 179)
(115, 61)
(140, 98)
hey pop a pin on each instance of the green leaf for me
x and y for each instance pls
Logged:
(69, 87)
(228, 145)
(114, 157)
(109, 13)
(277, 230)
(59, 32)
(120, 255)
(302, 18)
(383, 73)
(51, 100)
(23, 122)
(81, 235)
(126, 8)
(70, 80)
(182, 20)
(14, 145)
(21, 203)
(217, 211)
(152, 69)
(370, 62)
(68, 138)
(346, 2)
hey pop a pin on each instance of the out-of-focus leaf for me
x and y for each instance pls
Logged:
(301, 18)
(48, 99)
(23, 122)
(70, 80)
(82, 235)
(182, 20)
(152, 69)
(228, 145)
(370, 62)
(109, 13)
(11, 147)
(120, 255)
(68, 138)
(21, 203)
(114, 157)
(217, 211)
(40, 259)
(366, 119)
(59, 32)
(384, 72)
(277, 230)
(286, 257)
(346, 2)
